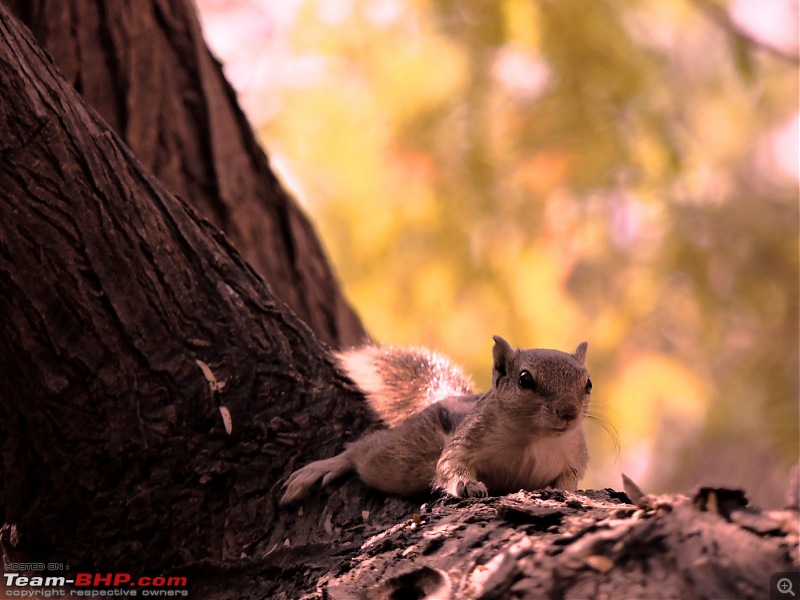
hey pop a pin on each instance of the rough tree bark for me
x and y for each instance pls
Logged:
(156, 394)
(131, 329)
(556, 544)
(143, 64)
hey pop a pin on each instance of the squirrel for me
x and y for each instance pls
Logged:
(526, 432)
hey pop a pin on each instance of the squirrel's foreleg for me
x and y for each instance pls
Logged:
(300, 481)
(568, 480)
(454, 473)
(571, 476)
(458, 479)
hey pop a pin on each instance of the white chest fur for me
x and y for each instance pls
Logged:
(533, 466)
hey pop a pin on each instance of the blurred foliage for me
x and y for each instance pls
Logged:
(554, 171)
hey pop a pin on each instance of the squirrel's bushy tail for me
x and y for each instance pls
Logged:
(401, 381)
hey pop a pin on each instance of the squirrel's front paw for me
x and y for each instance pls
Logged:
(471, 489)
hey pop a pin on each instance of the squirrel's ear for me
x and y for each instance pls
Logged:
(580, 353)
(502, 354)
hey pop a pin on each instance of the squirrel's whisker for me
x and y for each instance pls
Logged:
(609, 429)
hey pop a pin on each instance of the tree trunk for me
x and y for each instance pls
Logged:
(157, 393)
(144, 66)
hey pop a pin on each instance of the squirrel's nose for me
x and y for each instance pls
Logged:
(568, 412)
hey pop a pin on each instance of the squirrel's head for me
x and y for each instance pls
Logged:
(551, 387)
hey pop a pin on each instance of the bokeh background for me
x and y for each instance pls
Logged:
(622, 172)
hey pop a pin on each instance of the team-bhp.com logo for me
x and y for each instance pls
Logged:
(93, 585)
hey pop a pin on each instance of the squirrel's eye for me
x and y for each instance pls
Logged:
(526, 381)
(588, 387)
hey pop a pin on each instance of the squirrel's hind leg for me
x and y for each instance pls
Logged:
(402, 461)
(300, 481)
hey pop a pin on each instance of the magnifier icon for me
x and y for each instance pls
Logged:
(785, 586)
